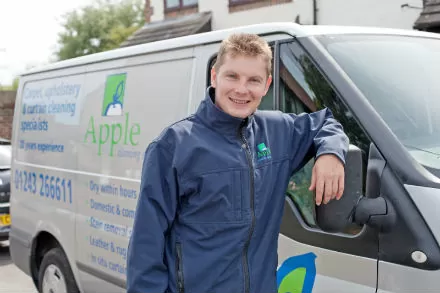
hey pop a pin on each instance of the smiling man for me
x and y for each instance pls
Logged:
(213, 185)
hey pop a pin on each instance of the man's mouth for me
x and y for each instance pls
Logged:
(240, 102)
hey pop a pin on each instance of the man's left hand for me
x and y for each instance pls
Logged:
(328, 178)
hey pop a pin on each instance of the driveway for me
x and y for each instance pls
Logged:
(12, 280)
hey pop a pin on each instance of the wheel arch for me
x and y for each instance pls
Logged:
(43, 242)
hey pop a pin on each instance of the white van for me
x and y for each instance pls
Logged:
(81, 127)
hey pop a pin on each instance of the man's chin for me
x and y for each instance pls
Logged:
(240, 114)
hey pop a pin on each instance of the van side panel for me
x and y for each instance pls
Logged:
(427, 201)
(43, 193)
(127, 104)
(19, 240)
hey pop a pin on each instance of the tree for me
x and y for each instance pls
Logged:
(12, 87)
(99, 27)
(15, 83)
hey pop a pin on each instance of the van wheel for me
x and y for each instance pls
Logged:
(55, 275)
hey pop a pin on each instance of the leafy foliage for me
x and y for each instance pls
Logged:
(99, 27)
(15, 83)
(12, 87)
(299, 192)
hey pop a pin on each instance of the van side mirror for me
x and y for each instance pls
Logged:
(376, 212)
(336, 215)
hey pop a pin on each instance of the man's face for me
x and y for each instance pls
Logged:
(240, 84)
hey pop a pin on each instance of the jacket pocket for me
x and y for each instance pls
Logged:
(213, 198)
(179, 268)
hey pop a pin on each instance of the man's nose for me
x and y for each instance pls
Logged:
(241, 88)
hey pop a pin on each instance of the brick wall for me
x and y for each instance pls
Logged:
(246, 5)
(181, 12)
(7, 104)
(148, 11)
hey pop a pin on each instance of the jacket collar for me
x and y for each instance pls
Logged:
(217, 119)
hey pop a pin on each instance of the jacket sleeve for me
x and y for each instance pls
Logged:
(314, 135)
(155, 212)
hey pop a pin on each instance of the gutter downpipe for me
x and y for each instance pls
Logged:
(315, 12)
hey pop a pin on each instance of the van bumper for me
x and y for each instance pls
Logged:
(20, 249)
(4, 233)
(4, 230)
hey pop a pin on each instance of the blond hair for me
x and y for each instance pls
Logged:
(242, 44)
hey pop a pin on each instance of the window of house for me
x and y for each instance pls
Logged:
(178, 4)
(240, 5)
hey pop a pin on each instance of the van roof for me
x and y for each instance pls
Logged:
(291, 28)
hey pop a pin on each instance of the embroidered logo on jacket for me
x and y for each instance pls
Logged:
(263, 152)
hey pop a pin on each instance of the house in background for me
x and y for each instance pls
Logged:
(429, 19)
(174, 18)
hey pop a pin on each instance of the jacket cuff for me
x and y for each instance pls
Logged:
(338, 155)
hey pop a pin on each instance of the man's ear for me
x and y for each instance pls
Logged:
(268, 82)
(213, 77)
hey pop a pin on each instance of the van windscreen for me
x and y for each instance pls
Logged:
(399, 75)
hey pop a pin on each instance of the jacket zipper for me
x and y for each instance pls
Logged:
(251, 173)
(179, 266)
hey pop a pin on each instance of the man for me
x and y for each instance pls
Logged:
(213, 185)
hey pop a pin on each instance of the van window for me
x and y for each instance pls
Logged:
(304, 89)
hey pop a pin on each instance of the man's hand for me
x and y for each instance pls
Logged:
(328, 179)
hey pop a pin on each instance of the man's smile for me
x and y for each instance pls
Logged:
(237, 101)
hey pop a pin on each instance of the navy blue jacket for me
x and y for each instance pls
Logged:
(212, 196)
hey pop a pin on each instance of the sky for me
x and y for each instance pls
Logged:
(29, 33)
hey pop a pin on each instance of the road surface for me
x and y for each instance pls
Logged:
(12, 280)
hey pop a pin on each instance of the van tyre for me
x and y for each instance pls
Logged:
(55, 274)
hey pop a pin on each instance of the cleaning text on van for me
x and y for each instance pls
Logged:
(108, 246)
(41, 147)
(111, 228)
(61, 89)
(112, 189)
(111, 209)
(53, 98)
(113, 266)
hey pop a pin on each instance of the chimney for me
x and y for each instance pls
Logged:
(148, 11)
